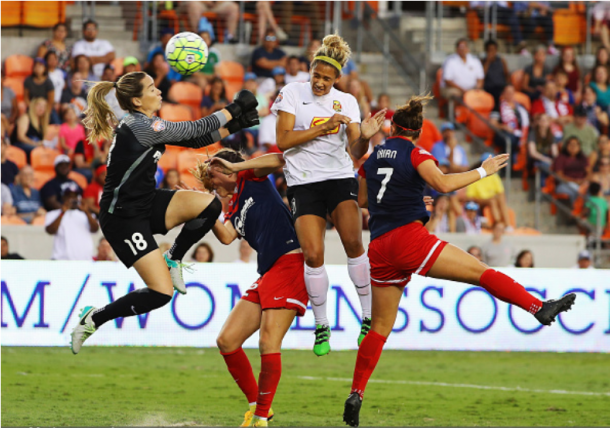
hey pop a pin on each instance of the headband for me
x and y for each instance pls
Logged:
(406, 129)
(115, 85)
(329, 61)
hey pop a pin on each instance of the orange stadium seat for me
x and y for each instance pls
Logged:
(175, 113)
(187, 159)
(483, 103)
(42, 159)
(524, 100)
(16, 84)
(11, 13)
(18, 66)
(516, 79)
(188, 94)
(80, 179)
(570, 27)
(41, 177)
(429, 135)
(230, 71)
(512, 217)
(169, 160)
(43, 14)
(17, 156)
(12, 220)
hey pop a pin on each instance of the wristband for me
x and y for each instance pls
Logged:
(482, 172)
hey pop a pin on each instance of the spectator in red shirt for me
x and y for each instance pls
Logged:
(568, 64)
(558, 111)
(571, 167)
(383, 102)
(93, 192)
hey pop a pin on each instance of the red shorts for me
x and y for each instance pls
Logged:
(282, 286)
(407, 250)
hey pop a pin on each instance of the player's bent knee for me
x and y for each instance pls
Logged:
(313, 258)
(225, 344)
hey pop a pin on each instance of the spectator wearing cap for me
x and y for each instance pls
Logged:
(8, 169)
(217, 98)
(268, 56)
(512, 119)
(6, 254)
(130, 64)
(72, 225)
(38, 85)
(229, 10)
(273, 84)
(449, 149)
(498, 252)
(158, 69)
(98, 51)
(26, 199)
(558, 111)
(461, 72)
(31, 126)
(470, 222)
(159, 47)
(496, 71)
(583, 130)
(584, 261)
(74, 94)
(52, 191)
(490, 192)
(93, 192)
(294, 72)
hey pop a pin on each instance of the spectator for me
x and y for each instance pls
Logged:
(563, 93)
(601, 17)
(476, 252)
(58, 45)
(471, 222)
(600, 86)
(602, 57)
(99, 52)
(31, 126)
(10, 109)
(602, 176)
(496, 71)
(38, 85)
(72, 226)
(52, 191)
(571, 167)
(449, 149)
(266, 133)
(595, 115)
(536, 74)
(159, 47)
(294, 72)
(490, 192)
(6, 255)
(307, 58)
(584, 261)
(245, 252)
(274, 84)
(25, 198)
(559, 112)
(541, 145)
(263, 102)
(525, 259)
(9, 170)
(104, 252)
(357, 90)
(82, 64)
(498, 252)
(56, 75)
(74, 95)
(268, 56)
(442, 219)
(383, 102)
(569, 66)
(158, 69)
(513, 119)
(536, 14)
(109, 74)
(603, 151)
(8, 208)
(130, 64)
(71, 131)
(202, 77)
(505, 16)
(93, 192)
(203, 253)
(85, 156)
(581, 129)
(265, 15)
(171, 179)
(461, 72)
(216, 100)
(229, 10)
(596, 207)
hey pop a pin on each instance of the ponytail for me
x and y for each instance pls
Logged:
(409, 118)
(99, 117)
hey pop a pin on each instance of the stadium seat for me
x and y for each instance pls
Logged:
(169, 160)
(11, 13)
(175, 113)
(43, 14)
(187, 159)
(80, 179)
(12, 220)
(41, 177)
(569, 26)
(516, 79)
(230, 72)
(16, 84)
(524, 100)
(18, 66)
(17, 156)
(512, 217)
(42, 159)
(189, 180)
(188, 94)
(483, 103)
(429, 135)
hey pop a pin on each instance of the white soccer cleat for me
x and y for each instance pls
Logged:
(83, 329)
(175, 271)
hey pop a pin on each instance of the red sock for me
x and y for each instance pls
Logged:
(269, 378)
(241, 370)
(508, 290)
(368, 355)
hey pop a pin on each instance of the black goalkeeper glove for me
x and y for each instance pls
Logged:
(246, 120)
(243, 101)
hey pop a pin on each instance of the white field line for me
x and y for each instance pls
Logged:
(463, 385)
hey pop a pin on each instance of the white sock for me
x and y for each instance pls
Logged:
(360, 273)
(316, 282)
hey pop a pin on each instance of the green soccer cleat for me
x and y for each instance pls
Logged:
(83, 329)
(175, 271)
(366, 326)
(322, 346)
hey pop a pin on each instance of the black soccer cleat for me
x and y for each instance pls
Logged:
(546, 315)
(351, 414)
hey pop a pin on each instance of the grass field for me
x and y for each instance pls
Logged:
(186, 386)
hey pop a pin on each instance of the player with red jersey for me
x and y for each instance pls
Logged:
(396, 174)
(258, 215)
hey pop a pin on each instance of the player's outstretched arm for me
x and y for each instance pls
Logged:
(288, 138)
(359, 135)
(446, 183)
(225, 233)
(262, 165)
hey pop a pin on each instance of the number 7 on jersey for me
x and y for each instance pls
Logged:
(384, 183)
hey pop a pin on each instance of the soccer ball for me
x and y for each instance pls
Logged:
(186, 53)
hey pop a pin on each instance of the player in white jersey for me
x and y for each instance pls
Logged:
(318, 127)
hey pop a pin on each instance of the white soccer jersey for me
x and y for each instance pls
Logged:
(325, 157)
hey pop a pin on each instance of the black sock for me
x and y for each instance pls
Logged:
(194, 230)
(137, 302)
